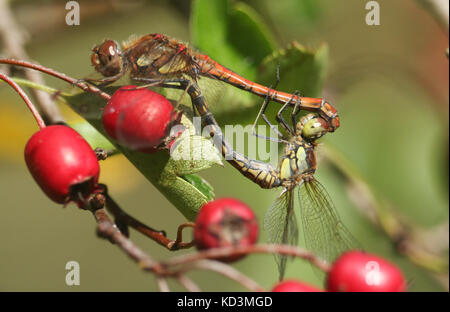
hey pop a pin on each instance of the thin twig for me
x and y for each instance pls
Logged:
(178, 243)
(187, 283)
(225, 270)
(162, 284)
(176, 267)
(155, 235)
(27, 101)
(225, 252)
(106, 229)
(76, 82)
(13, 41)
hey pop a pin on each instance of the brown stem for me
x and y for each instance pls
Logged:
(76, 82)
(178, 243)
(24, 96)
(238, 251)
(227, 271)
(157, 236)
(198, 260)
(106, 229)
(162, 284)
(187, 283)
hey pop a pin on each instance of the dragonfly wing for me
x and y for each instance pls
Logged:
(281, 226)
(324, 232)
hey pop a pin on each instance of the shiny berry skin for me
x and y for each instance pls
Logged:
(294, 286)
(225, 222)
(358, 271)
(62, 163)
(139, 119)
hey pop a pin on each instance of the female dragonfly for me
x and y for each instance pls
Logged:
(324, 232)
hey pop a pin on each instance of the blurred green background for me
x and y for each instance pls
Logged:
(389, 83)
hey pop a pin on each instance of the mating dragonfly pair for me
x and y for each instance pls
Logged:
(155, 59)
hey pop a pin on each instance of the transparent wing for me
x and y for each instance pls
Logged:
(281, 226)
(324, 232)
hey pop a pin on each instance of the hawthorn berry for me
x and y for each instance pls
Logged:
(294, 286)
(357, 271)
(225, 222)
(62, 163)
(139, 119)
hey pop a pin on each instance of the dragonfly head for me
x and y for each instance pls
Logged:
(311, 127)
(107, 58)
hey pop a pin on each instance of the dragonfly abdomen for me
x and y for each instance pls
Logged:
(263, 174)
(210, 68)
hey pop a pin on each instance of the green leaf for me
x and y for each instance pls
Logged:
(208, 25)
(158, 168)
(192, 153)
(304, 13)
(201, 184)
(92, 136)
(249, 35)
(233, 35)
(300, 69)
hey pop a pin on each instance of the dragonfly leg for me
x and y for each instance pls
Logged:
(262, 114)
(189, 84)
(156, 82)
(296, 110)
(279, 116)
(102, 82)
(184, 84)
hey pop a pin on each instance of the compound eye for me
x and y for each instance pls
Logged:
(108, 50)
(107, 58)
(314, 128)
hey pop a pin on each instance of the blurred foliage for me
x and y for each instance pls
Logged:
(391, 90)
(301, 69)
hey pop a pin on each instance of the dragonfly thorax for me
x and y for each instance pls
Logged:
(107, 58)
(298, 163)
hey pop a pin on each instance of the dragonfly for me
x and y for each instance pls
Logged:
(324, 232)
(155, 58)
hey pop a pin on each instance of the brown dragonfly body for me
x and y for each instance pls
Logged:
(156, 57)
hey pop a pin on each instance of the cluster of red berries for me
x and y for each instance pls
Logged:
(65, 166)
(229, 222)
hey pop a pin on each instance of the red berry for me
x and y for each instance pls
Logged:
(62, 163)
(359, 271)
(225, 222)
(294, 286)
(139, 119)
